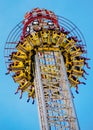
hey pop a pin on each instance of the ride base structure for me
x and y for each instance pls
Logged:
(45, 54)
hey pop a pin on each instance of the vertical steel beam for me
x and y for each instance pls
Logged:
(40, 97)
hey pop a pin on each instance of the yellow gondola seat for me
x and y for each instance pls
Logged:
(18, 56)
(56, 37)
(69, 44)
(34, 39)
(45, 36)
(78, 62)
(73, 80)
(19, 75)
(75, 53)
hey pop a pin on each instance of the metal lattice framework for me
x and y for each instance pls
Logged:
(55, 101)
(46, 55)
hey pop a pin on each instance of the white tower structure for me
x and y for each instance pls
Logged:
(53, 94)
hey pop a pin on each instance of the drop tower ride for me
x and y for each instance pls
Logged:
(46, 56)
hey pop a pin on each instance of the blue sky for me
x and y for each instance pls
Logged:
(16, 114)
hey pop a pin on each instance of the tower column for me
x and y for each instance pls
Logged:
(54, 99)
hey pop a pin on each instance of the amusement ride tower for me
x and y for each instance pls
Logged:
(45, 55)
